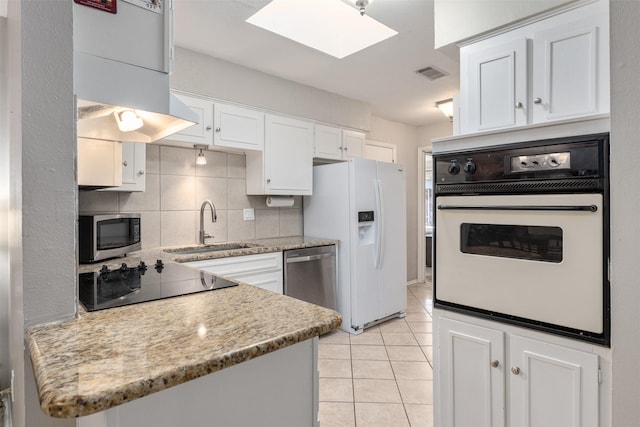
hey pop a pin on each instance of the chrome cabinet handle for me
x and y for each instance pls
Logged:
(346, 148)
(537, 101)
(515, 370)
(518, 105)
(125, 164)
(140, 172)
(268, 180)
(209, 127)
(217, 129)
(495, 363)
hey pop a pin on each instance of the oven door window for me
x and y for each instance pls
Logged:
(533, 243)
(116, 233)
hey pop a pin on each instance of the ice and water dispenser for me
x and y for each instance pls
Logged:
(366, 229)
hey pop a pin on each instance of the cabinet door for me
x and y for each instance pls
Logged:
(552, 386)
(237, 127)
(352, 145)
(288, 156)
(134, 161)
(202, 132)
(496, 94)
(566, 72)
(472, 388)
(99, 163)
(327, 142)
(381, 151)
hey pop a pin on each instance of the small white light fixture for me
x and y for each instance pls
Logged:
(128, 120)
(446, 107)
(201, 159)
(330, 26)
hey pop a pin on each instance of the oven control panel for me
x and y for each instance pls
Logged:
(540, 162)
(524, 164)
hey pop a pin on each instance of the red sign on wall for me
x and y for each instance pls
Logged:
(106, 5)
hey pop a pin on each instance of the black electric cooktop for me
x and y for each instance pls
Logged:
(130, 285)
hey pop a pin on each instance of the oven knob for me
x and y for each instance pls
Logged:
(454, 167)
(470, 167)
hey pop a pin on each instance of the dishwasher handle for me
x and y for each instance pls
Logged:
(309, 258)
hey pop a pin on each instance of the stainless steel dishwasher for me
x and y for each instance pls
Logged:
(310, 275)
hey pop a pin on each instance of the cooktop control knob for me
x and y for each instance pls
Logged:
(142, 266)
(470, 167)
(454, 167)
(104, 270)
(159, 266)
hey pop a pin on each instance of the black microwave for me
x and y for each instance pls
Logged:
(102, 236)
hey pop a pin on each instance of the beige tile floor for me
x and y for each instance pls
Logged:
(383, 377)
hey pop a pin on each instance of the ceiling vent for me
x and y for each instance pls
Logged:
(431, 73)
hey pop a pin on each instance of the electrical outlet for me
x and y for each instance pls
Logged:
(248, 214)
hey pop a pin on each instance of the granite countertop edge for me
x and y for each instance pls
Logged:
(58, 352)
(59, 405)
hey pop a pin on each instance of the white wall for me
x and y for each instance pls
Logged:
(197, 73)
(4, 212)
(463, 19)
(439, 130)
(625, 205)
(43, 189)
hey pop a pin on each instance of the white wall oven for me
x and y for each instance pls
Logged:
(522, 235)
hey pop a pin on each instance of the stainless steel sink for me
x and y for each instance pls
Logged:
(191, 250)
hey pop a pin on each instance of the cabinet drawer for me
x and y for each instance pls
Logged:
(241, 264)
(262, 270)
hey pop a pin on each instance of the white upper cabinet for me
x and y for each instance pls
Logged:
(333, 143)
(225, 126)
(327, 143)
(553, 69)
(202, 132)
(286, 165)
(381, 151)
(568, 78)
(134, 165)
(496, 86)
(238, 127)
(352, 144)
(99, 163)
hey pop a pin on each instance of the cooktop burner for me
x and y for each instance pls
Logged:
(130, 285)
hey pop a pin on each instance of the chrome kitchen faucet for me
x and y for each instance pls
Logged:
(214, 218)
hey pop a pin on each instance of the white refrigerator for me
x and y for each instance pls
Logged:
(362, 203)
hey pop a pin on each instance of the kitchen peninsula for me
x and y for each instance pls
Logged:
(200, 351)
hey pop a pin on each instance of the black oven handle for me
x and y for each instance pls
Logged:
(584, 208)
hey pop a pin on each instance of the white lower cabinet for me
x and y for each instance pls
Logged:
(261, 270)
(488, 377)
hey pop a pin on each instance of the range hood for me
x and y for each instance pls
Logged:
(108, 91)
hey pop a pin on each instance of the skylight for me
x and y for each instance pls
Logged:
(330, 26)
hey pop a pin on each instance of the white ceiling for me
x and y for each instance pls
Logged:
(382, 75)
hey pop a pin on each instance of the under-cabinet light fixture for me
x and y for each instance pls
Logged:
(128, 120)
(201, 159)
(330, 26)
(446, 107)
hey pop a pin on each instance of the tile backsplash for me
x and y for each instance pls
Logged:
(175, 190)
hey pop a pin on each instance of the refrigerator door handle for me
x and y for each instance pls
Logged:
(378, 221)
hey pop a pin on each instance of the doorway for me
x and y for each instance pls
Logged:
(425, 211)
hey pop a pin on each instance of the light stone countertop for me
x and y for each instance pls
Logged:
(109, 357)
